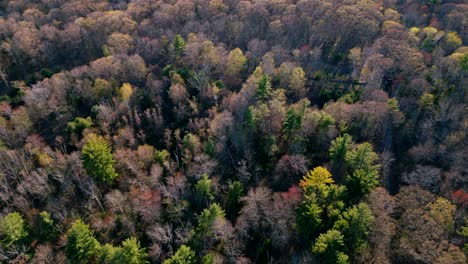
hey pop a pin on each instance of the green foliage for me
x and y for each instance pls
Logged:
(426, 100)
(355, 224)
(309, 216)
(131, 253)
(264, 87)
(233, 204)
(453, 41)
(342, 258)
(361, 182)
(81, 246)
(105, 51)
(161, 156)
(46, 73)
(203, 193)
(190, 142)
(204, 231)
(325, 119)
(168, 70)
(46, 228)
(184, 255)
(208, 259)
(293, 119)
(179, 45)
(352, 96)
(108, 254)
(464, 232)
(328, 246)
(207, 218)
(463, 62)
(235, 62)
(362, 157)
(97, 159)
(78, 125)
(428, 45)
(321, 204)
(12, 229)
(442, 211)
(363, 170)
(393, 104)
(339, 148)
(250, 117)
(210, 148)
(102, 88)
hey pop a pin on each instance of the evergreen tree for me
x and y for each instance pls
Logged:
(97, 159)
(81, 246)
(184, 255)
(264, 87)
(355, 224)
(338, 150)
(321, 204)
(297, 82)
(363, 171)
(179, 45)
(203, 232)
(203, 193)
(131, 253)
(12, 229)
(329, 246)
(233, 204)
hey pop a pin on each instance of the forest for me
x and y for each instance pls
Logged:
(233, 131)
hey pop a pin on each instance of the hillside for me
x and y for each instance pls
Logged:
(233, 131)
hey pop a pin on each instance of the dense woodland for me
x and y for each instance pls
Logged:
(233, 131)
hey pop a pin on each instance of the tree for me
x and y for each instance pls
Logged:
(452, 41)
(184, 255)
(424, 228)
(316, 178)
(97, 159)
(233, 204)
(46, 228)
(204, 230)
(131, 253)
(125, 92)
(355, 224)
(78, 125)
(338, 151)
(264, 87)
(426, 177)
(118, 43)
(463, 62)
(322, 202)
(12, 229)
(464, 232)
(293, 119)
(102, 88)
(235, 66)
(329, 245)
(360, 183)
(81, 246)
(203, 193)
(297, 82)
(179, 45)
(363, 172)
